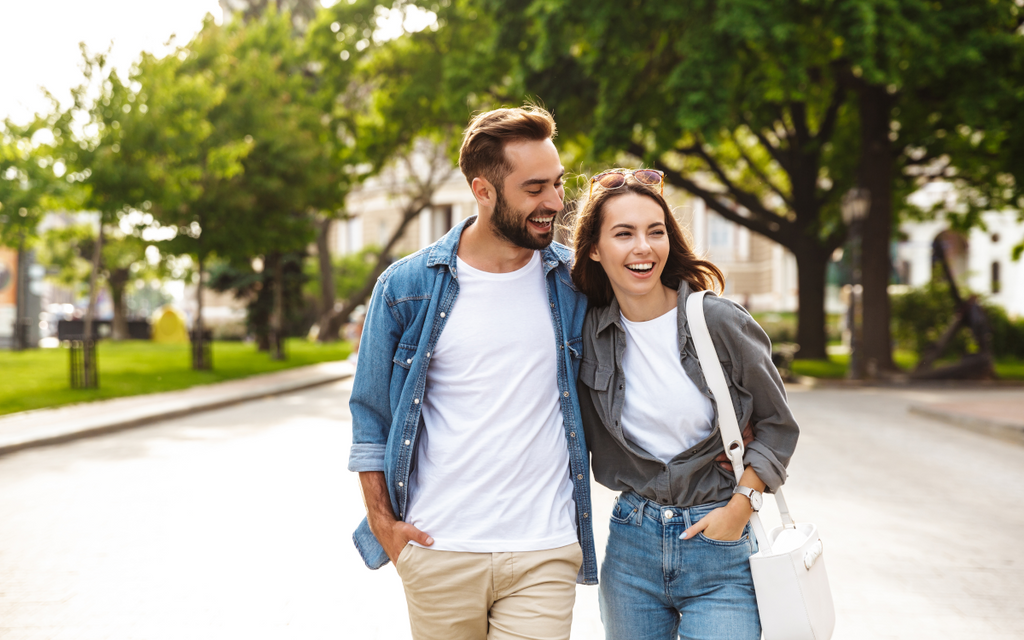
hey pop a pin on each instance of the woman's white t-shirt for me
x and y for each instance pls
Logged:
(664, 413)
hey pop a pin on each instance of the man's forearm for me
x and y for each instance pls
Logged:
(376, 499)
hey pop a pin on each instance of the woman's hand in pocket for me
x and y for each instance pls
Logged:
(724, 523)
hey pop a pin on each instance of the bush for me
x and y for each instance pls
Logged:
(920, 316)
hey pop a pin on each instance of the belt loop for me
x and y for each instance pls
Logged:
(640, 511)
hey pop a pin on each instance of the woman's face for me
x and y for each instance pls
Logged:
(633, 245)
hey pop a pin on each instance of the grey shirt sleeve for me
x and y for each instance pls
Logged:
(750, 351)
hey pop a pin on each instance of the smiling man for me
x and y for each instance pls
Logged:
(466, 431)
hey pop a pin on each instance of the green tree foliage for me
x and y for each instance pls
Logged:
(770, 110)
(31, 180)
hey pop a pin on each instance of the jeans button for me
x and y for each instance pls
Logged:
(668, 514)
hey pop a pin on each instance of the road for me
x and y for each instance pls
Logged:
(237, 523)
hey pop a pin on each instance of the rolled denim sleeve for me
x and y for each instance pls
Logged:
(775, 428)
(370, 400)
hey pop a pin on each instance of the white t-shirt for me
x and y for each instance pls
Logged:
(492, 467)
(664, 412)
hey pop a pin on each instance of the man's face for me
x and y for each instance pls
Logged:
(525, 208)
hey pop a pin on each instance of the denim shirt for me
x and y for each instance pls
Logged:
(692, 477)
(406, 315)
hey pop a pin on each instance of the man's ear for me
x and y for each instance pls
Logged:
(483, 191)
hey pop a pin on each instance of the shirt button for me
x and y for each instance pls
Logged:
(407, 442)
(668, 515)
(401, 484)
(428, 354)
(552, 305)
(566, 394)
(416, 401)
(579, 476)
(442, 314)
(586, 515)
(572, 434)
(408, 361)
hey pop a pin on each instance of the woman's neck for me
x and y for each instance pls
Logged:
(649, 306)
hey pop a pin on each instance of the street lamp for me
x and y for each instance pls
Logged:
(855, 205)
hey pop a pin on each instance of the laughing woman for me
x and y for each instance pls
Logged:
(676, 560)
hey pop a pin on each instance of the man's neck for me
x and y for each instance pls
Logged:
(482, 249)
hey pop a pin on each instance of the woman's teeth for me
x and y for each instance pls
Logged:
(643, 267)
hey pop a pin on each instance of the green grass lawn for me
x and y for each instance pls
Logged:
(39, 378)
(835, 366)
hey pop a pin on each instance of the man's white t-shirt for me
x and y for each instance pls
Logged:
(492, 467)
(664, 412)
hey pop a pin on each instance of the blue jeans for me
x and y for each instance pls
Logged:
(654, 585)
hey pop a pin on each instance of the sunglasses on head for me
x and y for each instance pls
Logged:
(615, 178)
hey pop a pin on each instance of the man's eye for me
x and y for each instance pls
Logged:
(533, 193)
(558, 184)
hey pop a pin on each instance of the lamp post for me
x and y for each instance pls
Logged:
(855, 205)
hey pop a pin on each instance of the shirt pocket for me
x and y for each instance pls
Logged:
(595, 376)
(404, 355)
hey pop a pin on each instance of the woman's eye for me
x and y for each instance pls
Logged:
(622, 234)
(657, 233)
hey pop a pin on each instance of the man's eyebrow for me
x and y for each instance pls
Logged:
(534, 181)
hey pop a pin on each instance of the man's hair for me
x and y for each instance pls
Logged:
(483, 143)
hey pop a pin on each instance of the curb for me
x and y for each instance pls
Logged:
(159, 416)
(1011, 431)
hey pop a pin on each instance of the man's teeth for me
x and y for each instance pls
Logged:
(642, 267)
(544, 220)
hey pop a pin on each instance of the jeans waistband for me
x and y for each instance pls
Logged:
(667, 514)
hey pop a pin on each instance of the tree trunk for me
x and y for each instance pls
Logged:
(876, 174)
(20, 297)
(118, 281)
(326, 282)
(277, 315)
(811, 265)
(200, 361)
(89, 378)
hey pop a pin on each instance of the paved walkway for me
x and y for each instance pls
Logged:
(237, 523)
(50, 426)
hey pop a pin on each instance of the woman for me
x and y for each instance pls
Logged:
(676, 560)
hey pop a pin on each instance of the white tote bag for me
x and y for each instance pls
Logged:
(793, 596)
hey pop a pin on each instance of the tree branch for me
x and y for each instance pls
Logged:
(776, 230)
(741, 196)
(828, 124)
(757, 171)
(774, 151)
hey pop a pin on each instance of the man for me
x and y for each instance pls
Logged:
(466, 431)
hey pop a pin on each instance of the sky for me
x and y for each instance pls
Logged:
(39, 46)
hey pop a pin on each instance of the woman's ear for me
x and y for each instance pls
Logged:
(595, 255)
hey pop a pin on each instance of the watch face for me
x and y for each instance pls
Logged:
(755, 500)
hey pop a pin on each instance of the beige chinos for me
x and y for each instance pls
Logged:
(455, 595)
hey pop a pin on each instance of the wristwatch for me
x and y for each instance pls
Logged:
(752, 495)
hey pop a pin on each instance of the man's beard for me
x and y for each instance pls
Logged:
(512, 226)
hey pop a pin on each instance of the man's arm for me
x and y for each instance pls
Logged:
(391, 533)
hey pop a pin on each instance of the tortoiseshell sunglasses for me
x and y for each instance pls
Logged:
(615, 178)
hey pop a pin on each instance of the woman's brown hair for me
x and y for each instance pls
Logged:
(682, 264)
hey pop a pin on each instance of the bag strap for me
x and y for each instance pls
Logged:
(728, 425)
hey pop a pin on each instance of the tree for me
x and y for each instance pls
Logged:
(769, 111)
(30, 185)
(68, 251)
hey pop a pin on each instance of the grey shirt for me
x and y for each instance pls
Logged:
(692, 477)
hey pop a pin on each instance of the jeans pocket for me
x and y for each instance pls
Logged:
(743, 539)
(623, 512)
